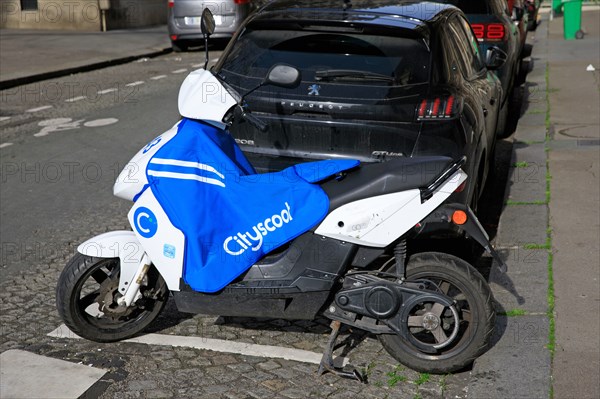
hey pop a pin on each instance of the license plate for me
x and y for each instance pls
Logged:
(195, 21)
(192, 21)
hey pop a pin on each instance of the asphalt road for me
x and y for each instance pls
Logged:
(61, 157)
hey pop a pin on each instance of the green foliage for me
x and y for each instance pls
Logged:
(423, 378)
(510, 202)
(395, 378)
(514, 313)
(536, 246)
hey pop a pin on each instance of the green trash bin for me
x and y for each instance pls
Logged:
(572, 19)
(556, 5)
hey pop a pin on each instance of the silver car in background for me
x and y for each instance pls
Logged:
(184, 19)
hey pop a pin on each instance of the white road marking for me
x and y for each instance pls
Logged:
(4, 118)
(4, 145)
(39, 108)
(72, 100)
(101, 122)
(139, 82)
(158, 77)
(57, 125)
(182, 70)
(198, 65)
(107, 91)
(218, 345)
(54, 122)
(27, 375)
(62, 124)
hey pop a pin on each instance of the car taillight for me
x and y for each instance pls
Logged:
(437, 108)
(171, 3)
(490, 32)
(240, 2)
(461, 188)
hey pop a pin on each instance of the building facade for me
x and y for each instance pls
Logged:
(82, 15)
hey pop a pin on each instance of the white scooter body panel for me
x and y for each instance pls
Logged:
(203, 97)
(132, 179)
(379, 221)
(163, 242)
(122, 244)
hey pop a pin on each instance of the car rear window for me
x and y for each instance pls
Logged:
(469, 6)
(405, 60)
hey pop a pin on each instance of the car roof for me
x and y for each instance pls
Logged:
(407, 14)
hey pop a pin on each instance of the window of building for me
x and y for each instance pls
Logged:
(27, 5)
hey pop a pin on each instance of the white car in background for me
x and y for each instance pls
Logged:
(184, 20)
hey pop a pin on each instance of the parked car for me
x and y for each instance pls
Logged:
(380, 80)
(520, 16)
(184, 20)
(532, 7)
(493, 24)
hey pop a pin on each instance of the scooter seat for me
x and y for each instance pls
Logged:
(370, 180)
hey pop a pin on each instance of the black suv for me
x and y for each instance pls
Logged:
(495, 24)
(380, 79)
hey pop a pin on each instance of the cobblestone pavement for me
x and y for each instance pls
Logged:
(152, 371)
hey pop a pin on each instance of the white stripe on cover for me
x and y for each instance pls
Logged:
(176, 162)
(186, 176)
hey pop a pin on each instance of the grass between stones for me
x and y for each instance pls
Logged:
(551, 321)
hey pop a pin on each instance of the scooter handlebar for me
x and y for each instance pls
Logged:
(255, 121)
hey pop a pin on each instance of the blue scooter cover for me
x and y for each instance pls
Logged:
(231, 216)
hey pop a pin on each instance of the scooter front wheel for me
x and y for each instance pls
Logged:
(87, 294)
(444, 339)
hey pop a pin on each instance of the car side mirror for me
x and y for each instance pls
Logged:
(207, 22)
(495, 58)
(282, 75)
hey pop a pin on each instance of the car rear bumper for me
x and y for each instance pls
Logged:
(188, 27)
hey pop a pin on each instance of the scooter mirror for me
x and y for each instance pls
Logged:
(207, 22)
(283, 76)
(207, 25)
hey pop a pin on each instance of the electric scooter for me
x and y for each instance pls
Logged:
(321, 239)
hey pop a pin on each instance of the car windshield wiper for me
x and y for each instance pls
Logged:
(350, 74)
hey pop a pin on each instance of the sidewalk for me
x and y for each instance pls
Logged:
(32, 55)
(574, 161)
(547, 342)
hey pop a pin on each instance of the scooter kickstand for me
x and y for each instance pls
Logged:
(327, 359)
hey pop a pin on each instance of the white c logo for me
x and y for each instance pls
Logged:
(139, 224)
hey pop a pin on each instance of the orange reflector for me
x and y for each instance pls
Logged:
(459, 217)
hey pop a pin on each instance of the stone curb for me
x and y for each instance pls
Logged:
(150, 53)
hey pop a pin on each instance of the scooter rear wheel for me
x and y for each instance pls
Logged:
(458, 347)
(86, 299)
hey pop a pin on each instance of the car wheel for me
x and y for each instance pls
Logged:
(179, 47)
(501, 127)
(532, 24)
